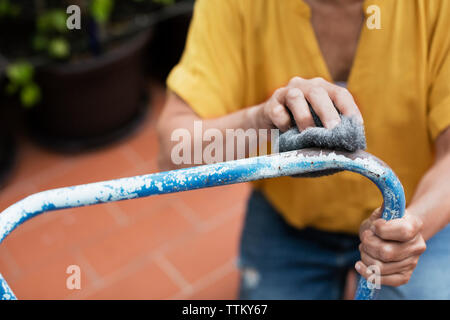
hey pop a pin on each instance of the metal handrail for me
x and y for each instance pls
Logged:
(271, 166)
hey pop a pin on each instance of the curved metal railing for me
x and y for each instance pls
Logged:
(283, 164)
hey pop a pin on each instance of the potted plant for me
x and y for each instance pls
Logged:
(84, 86)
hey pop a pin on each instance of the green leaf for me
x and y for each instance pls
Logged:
(30, 95)
(43, 23)
(59, 48)
(52, 20)
(58, 20)
(40, 42)
(20, 73)
(8, 9)
(101, 10)
(4, 7)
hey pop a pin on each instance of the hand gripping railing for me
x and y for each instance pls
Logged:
(250, 169)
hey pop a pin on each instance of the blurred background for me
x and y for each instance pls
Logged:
(79, 106)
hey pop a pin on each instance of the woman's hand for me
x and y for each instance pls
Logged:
(323, 97)
(393, 246)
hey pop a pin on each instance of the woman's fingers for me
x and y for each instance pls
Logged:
(392, 248)
(342, 99)
(295, 101)
(323, 106)
(390, 251)
(277, 111)
(403, 229)
(315, 93)
(387, 268)
(324, 98)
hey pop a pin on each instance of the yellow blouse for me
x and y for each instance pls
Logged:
(239, 51)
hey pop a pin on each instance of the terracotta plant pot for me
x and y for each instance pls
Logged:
(93, 101)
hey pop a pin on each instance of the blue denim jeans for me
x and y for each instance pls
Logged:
(278, 261)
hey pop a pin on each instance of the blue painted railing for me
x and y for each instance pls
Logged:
(284, 164)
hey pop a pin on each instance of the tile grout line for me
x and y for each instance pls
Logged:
(112, 278)
(132, 156)
(91, 273)
(206, 226)
(190, 214)
(138, 215)
(222, 218)
(164, 248)
(172, 272)
(56, 170)
(173, 243)
(16, 189)
(209, 278)
(121, 219)
(44, 218)
(128, 269)
(118, 274)
(187, 213)
(11, 263)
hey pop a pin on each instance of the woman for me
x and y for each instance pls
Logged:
(250, 64)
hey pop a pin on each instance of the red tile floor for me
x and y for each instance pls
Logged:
(166, 247)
